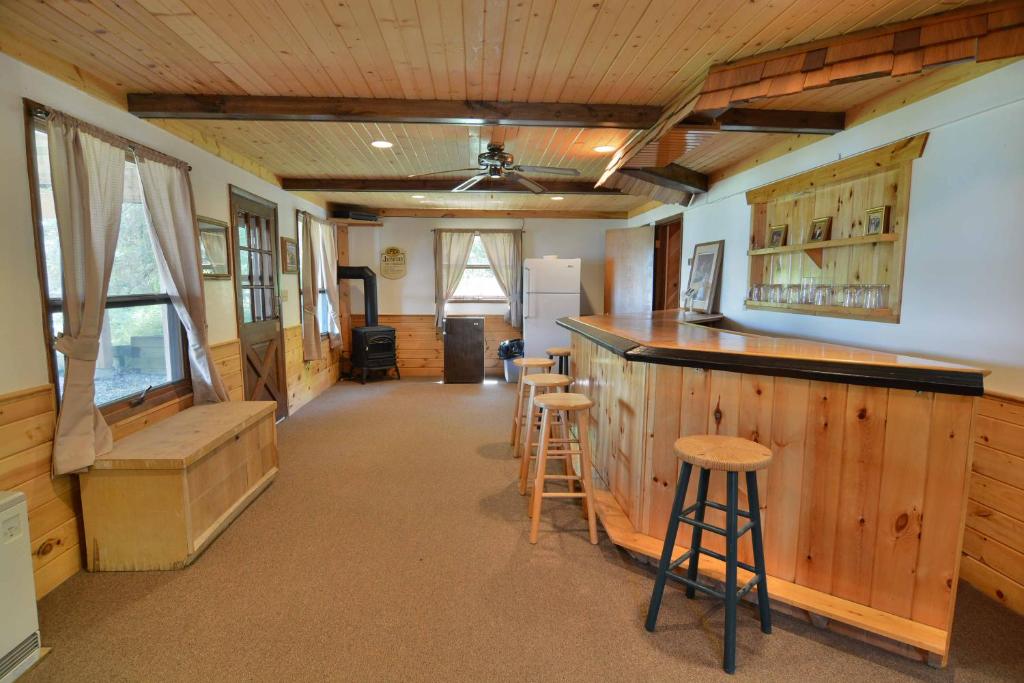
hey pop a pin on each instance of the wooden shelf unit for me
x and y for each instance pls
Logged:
(844, 190)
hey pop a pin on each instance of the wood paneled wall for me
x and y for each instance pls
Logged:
(305, 381)
(27, 423)
(421, 347)
(994, 536)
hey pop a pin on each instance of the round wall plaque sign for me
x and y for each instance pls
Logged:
(392, 263)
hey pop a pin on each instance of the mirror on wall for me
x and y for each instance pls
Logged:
(214, 249)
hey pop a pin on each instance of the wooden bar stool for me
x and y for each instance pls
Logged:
(562, 353)
(563, 404)
(537, 385)
(525, 365)
(731, 455)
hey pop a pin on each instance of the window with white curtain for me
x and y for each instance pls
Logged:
(478, 283)
(142, 341)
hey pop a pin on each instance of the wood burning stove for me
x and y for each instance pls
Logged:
(374, 347)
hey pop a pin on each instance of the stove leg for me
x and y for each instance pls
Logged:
(363, 381)
(398, 373)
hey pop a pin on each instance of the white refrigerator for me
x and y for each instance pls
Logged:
(551, 290)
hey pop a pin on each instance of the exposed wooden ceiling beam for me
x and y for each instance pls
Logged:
(672, 176)
(470, 113)
(782, 121)
(436, 185)
(486, 213)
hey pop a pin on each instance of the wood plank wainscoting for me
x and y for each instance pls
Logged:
(305, 381)
(994, 536)
(421, 348)
(864, 554)
(27, 423)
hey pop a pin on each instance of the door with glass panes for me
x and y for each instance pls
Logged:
(256, 292)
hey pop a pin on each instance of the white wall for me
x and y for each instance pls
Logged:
(23, 362)
(963, 281)
(414, 294)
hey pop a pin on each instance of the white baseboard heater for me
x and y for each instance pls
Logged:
(19, 626)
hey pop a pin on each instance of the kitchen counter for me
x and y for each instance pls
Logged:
(864, 501)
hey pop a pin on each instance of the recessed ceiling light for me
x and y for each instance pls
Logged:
(556, 198)
(382, 144)
(604, 149)
(418, 196)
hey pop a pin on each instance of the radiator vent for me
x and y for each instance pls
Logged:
(13, 659)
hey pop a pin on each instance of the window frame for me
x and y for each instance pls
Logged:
(131, 404)
(478, 300)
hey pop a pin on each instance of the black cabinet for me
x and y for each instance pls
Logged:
(463, 350)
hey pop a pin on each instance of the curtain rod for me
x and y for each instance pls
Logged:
(42, 112)
(476, 231)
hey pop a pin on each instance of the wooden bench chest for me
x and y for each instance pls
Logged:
(161, 496)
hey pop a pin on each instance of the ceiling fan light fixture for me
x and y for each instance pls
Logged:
(605, 149)
(557, 198)
(382, 144)
(419, 196)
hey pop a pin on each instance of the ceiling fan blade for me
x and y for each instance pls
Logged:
(554, 170)
(526, 182)
(454, 170)
(466, 184)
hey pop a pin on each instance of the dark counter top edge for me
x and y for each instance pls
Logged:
(914, 379)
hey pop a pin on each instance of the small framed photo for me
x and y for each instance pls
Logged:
(876, 221)
(776, 235)
(214, 248)
(821, 229)
(289, 255)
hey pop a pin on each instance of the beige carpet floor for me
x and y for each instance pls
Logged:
(393, 546)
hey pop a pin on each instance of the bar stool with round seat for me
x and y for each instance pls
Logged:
(731, 455)
(525, 365)
(562, 353)
(538, 384)
(565, 405)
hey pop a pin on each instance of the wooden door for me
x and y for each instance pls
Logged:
(668, 257)
(628, 269)
(256, 294)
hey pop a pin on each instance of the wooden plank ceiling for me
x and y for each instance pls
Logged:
(632, 52)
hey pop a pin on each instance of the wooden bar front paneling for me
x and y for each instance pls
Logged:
(862, 502)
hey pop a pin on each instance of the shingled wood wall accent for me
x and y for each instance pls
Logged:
(979, 33)
(994, 536)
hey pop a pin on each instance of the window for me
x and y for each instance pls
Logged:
(142, 347)
(478, 282)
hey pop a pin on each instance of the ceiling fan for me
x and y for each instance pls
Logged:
(496, 163)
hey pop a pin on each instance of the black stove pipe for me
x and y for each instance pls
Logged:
(369, 278)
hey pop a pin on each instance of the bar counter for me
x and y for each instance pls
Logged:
(863, 504)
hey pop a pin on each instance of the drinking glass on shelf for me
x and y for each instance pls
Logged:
(822, 295)
(793, 294)
(870, 297)
(754, 294)
(807, 287)
(854, 297)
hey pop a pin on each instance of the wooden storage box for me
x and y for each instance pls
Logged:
(163, 494)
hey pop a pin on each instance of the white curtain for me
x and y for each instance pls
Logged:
(175, 234)
(451, 252)
(328, 262)
(88, 187)
(505, 252)
(308, 272)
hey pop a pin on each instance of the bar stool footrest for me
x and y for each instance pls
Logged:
(702, 587)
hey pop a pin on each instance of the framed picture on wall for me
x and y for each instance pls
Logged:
(821, 229)
(776, 235)
(705, 273)
(876, 220)
(214, 248)
(289, 255)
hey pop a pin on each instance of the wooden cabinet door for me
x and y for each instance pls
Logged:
(258, 304)
(629, 270)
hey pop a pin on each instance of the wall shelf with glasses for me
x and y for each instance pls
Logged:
(856, 313)
(863, 253)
